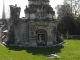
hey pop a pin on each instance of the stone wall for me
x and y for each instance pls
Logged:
(21, 32)
(48, 27)
(24, 34)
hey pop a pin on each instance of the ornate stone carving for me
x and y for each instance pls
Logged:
(14, 14)
(14, 11)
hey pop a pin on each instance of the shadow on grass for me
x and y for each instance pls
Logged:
(35, 51)
(72, 38)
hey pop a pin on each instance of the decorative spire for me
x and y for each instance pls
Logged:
(3, 13)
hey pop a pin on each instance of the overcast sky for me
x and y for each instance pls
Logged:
(22, 4)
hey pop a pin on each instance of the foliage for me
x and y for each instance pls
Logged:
(69, 51)
(66, 20)
(75, 6)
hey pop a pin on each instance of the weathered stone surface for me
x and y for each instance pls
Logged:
(32, 30)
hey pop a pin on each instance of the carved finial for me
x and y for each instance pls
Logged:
(14, 11)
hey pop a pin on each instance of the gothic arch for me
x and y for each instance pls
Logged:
(41, 37)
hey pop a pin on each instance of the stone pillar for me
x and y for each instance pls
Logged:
(54, 34)
(49, 37)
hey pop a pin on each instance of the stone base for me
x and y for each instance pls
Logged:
(49, 44)
(33, 45)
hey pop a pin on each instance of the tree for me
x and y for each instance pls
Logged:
(66, 20)
(63, 10)
(75, 6)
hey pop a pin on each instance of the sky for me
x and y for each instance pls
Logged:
(22, 4)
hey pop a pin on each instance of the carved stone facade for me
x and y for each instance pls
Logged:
(36, 29)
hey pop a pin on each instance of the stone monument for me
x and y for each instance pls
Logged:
(36, 28)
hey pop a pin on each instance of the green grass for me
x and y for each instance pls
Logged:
(69, 51)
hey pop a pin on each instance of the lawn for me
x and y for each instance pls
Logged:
(68, 51)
